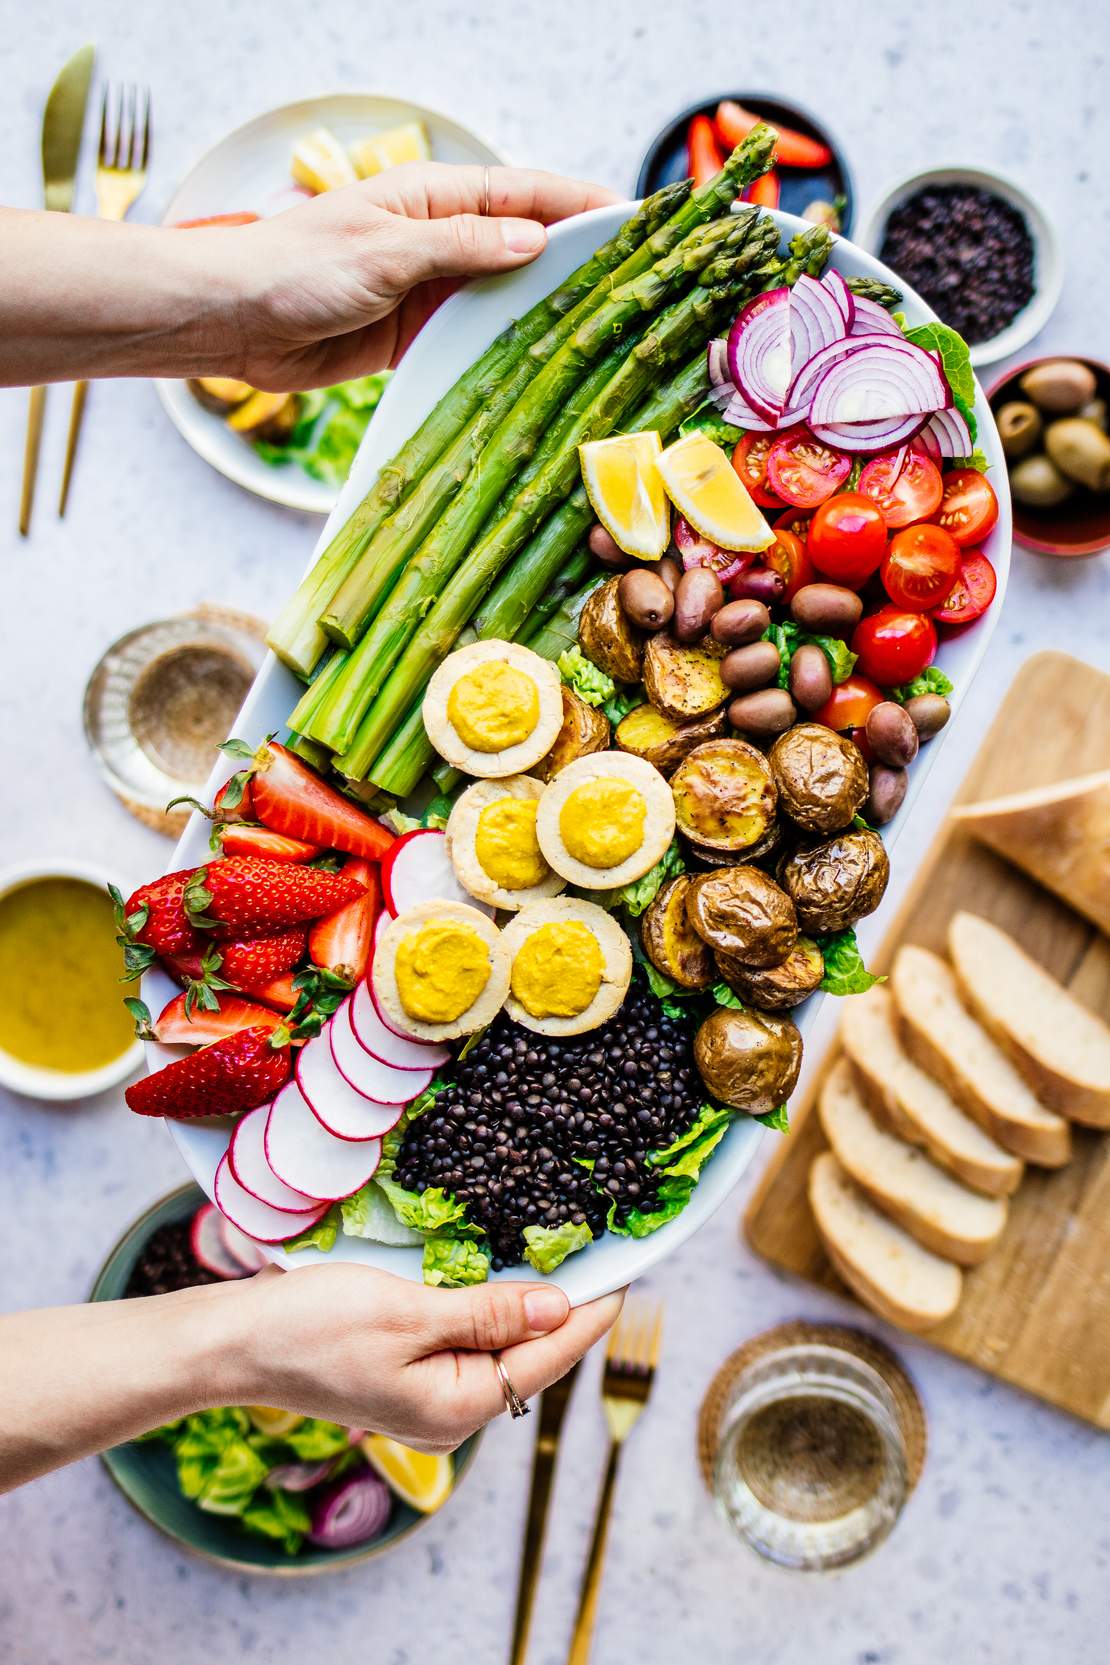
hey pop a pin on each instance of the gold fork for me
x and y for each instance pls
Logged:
(121, 168)
(630, 1361)
(553, 1405)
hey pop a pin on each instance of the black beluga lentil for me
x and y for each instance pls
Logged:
(967, 252)
(520, 1108)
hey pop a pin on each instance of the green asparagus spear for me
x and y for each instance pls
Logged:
(808, 253)
(872, 290)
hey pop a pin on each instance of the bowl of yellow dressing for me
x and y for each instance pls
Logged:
(64, 1030)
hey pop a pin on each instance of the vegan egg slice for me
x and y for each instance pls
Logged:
(705, 488)
(626, 492)
(492, 844)
(440, 970)
(493, 708)
(605, 820)
(571, 966)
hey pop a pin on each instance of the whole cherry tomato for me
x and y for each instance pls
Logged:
(849, 703)
(969, 507)
(906, 485)
(788, 557)
(750, 461)
(893, 646)
(847, 539)
(971, 594)
(920, 567)
(803, 471)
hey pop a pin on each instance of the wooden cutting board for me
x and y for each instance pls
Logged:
(1037, 1312)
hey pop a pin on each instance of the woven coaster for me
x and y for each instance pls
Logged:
(911, 1416)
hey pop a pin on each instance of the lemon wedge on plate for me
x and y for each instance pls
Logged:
(409, 143)
(273, 1423)
(420, 1478)
(703, 485)
(320, 162)
(622, 482)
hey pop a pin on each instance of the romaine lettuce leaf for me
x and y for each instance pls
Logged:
(454, 1262)
(638, 896)
(931, 681)
(283, 1517)
(320, 1236)
(956, 364)
(709, 422)
(369, 1214)
(724, 996)
(845, 972)
(232, 1480)
(314, 1439)
(588, 681)
(549, 1246)
(776, 1119)
(427, 1211)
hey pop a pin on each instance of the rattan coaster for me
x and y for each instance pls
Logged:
(911, 1415)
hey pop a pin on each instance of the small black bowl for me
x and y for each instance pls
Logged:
(666, 156)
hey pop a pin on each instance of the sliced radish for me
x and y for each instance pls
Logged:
(378, 1082)
(258, 1219)
(209, 1248)
(246, 1155)
(370, 1032)
(338, 1106)
(299, 1147)
(250, 1255)
(418, 869)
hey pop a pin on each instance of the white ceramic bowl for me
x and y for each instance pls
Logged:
(59, 1085)
(1048, 273)
(249, 170)
(445, 347)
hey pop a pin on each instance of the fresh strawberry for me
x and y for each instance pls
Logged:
(233, 801)
(152, 922)
(176, 1025)
(237, 1073)
(290, 798)
(242, 838)
(252, 962)
(251, 896)
(341, 941)
(281, 994)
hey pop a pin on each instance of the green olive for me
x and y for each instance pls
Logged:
(1080, 450)
(1095, 411)
(1038, 483)
(1059, 385)
(1019, 428)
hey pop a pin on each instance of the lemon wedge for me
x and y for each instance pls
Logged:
(320, 162)
(703, 485)
(409, 143)
(622, 482)
(420, 1478)
(272, 1422)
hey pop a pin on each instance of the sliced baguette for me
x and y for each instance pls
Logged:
(1061, 1048)
(940, 1034)
(887, 1268)
(942, 1214)
(902, 1097)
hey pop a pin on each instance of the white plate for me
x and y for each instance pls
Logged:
(249, 171)
(443, 350)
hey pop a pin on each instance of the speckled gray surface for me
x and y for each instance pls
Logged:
(1004, 1552)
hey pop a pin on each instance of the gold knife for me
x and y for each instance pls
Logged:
(553, 1404)
(62, 124)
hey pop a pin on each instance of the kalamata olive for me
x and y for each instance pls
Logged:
(740, 622)
(757, 584)
(670, 571)
(811, 682)
(1038, 483)
(928, 713)
(1019, 428)
(885, 794)
(750, 667)
(1081, 451)
(646, 600)
(1059, 384)
(1095, 410)
(607, 549)
(828, 609)
(891, 734)
(770, 711)
(699, 595)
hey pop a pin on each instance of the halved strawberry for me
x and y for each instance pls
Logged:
(176, 1025)
(290, 798)
(254, 961)
(252, 896)
(280, 994)
(234, 1074)
(233, 800)
(341, 941)
(153, 922)
(242, 838)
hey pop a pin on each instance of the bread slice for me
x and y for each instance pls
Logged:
(1060, 1046)
(942, 1214)
(1059, 835)
(940, 1034)
(887, 1268)
(913, 1105)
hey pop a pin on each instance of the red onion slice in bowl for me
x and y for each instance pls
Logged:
(946, 435)
(351, 1511)
(759, 352)
(878, 382)
(871, 318)
(816, 321)
(869, 437)
(842, 295)
(716, 358)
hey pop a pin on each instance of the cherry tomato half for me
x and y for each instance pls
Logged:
(795, 521)
(788, 557)
(849, 703)
(907, 487)
(920, 567)
(969, 507)
(971, 594)
(893, 646)
(750, 461)
(847, 539)
(803, 471)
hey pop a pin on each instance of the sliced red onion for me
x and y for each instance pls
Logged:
(815, 321)
(736, 412)
(949, 433)
(869, 436)
(717, 362)
(928, 441)
(297, 1477)
(759, 352)
(351, 1511)
(697, 551)
(842, 295)
(871, 318)
(801, 388)
(877, 383)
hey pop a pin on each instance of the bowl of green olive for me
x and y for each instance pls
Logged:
(1053, 417)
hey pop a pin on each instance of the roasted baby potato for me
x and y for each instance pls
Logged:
(836, 882)
(585, 729)
(748, 1059)
(269, 416)
(662, 740)
(776, 988)
(684, 679)
(220, 393)
(741, 911)
(724, 795)
(607, 637)
(821, 777)
(670, 941)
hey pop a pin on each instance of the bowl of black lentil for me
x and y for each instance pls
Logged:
(977, 248)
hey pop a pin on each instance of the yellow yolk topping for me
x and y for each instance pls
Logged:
(557, 971)
(505, 844)
(494, 706)
(602, 822)
(441, 970)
